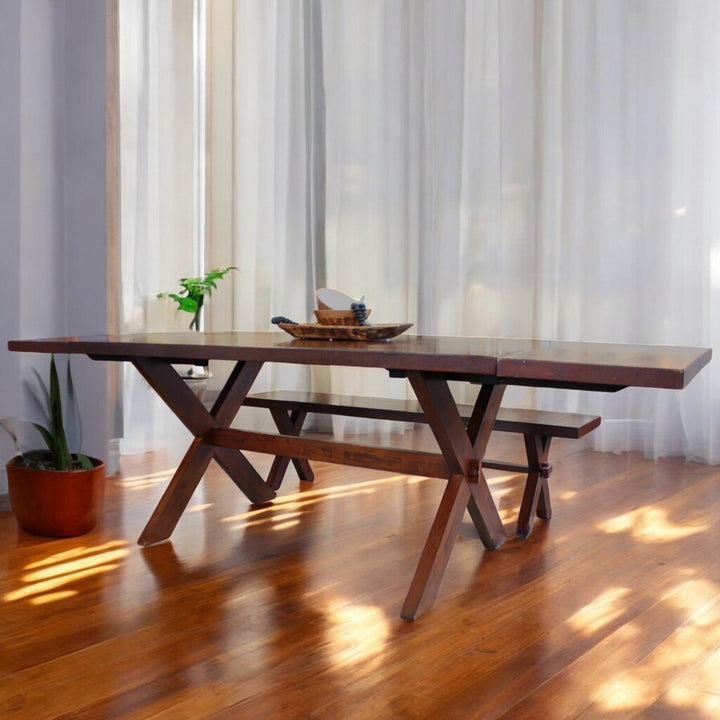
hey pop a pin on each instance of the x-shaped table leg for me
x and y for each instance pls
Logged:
(163, 378)
(466, 488)
(536, 498)
(288, 424)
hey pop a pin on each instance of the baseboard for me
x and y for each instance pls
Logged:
(112, 462)
(4, 498)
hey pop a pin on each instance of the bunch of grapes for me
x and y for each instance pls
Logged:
(359, 310)
(282, 319)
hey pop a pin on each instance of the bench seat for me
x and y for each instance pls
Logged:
(289, 409)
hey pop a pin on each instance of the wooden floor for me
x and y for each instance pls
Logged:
(610, 610)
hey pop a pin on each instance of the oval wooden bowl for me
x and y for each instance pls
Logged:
(338, 317)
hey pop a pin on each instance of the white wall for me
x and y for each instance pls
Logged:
(52, 195)
(9, 213)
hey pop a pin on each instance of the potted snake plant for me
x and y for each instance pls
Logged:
(53, 491)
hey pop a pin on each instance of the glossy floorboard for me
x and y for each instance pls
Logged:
(610, 610)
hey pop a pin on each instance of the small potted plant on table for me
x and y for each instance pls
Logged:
(53, 491)
(191, 296)
(191, 299)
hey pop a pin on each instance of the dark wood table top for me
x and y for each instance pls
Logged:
(510, 360)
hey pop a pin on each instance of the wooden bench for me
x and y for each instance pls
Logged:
(538, 427)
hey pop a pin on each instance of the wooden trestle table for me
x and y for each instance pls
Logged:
(428, 362)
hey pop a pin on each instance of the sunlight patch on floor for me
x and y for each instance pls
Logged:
(285, 525)
(502, 479)
(76, 552)
(281, 517)
(51, 597)
(632, 692)
(416, 480)
(508, 515)
(605, 608)
(47, 580)
(200, 507)
(706, 677)
(140, 482)
(356, 633)
(502, 492)
(35, 591)
(688, 703)
(300, 500)
(650, 525)
(669, 662)
(72, 566)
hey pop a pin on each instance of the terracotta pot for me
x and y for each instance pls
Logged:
(56, 503)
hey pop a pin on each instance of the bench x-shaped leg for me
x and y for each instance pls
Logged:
(536, 498)
(466, 488)
(288, 424)
(166, 382)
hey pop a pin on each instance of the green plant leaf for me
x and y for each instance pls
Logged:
(194, 289)
(188, 304)
(73, 421)
(47, 436)
(62, 454)
(85, 461)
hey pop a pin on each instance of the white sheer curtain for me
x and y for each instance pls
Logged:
(629, 225)
(517, 168)
(159, 192)
(260, 200)
(483, 167)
